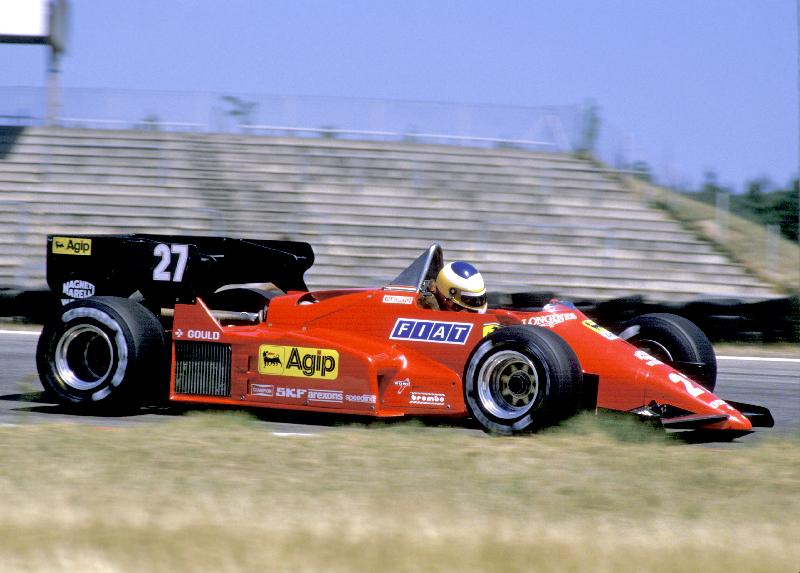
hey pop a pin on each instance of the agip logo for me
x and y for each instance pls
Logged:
(72, 246)
(297, 361)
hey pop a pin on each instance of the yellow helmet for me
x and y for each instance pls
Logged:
(461, 283)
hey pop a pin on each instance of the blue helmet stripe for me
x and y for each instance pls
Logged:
(463, 269)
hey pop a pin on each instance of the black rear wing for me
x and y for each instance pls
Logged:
(169, 269)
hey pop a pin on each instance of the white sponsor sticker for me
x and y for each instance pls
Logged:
(401, 385)
(361, 398)
(78, 289)
(396, 299)
(262, 390)
(333, 396)
(427, 398)
(550, 320)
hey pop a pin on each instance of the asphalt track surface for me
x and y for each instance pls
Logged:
(773, 382)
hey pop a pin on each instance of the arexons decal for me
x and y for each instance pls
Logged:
(431, 331)
(332, 396)
(297, 361)
(72, 246)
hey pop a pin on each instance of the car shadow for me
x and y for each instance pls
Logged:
(42, 403)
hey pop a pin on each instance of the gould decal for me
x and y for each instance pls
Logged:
(297, 361)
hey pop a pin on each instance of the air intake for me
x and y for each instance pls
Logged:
(203, 368)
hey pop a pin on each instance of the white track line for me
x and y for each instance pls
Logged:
(22, 332)
(759, 359)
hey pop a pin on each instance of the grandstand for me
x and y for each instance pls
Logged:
(531, 221)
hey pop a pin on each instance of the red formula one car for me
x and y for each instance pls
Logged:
(143, 313)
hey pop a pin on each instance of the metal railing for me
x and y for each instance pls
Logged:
(471, 124)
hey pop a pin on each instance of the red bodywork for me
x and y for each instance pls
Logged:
(379, 353)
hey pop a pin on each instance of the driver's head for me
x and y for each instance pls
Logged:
(460, 286)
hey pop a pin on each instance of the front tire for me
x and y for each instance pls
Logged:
(678, 342)
(102, 352)
(522, 378)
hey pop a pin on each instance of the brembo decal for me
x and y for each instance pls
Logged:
(431, 331)
(427, 399)
(297, 361)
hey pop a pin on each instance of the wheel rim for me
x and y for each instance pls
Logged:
(508, 384)
(84, 357)
(654, 349)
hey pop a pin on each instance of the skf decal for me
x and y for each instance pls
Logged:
(431, 331)
(395, 299)
(592, 325)
(321, 363)
(72, 246)
(490, 328)
(550, 320)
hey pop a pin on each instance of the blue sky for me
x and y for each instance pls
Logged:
(692, 85)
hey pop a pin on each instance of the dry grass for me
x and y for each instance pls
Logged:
(744, 241)
(220, 492)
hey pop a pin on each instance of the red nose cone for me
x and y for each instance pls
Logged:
(736, 421)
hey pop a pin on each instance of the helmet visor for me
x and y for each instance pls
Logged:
(473, 301)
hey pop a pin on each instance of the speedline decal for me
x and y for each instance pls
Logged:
(297, 361)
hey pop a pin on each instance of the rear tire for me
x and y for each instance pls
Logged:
(676, 341)
(522, 378)
(102, 352)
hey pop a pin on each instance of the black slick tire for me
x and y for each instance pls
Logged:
(676, 341)
(522, 378)
(102, 353)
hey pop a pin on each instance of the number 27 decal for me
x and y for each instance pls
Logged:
(165, 252)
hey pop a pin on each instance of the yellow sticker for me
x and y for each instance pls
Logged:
(321, 363)
(72, 246)
(490, 328)
(592, 325)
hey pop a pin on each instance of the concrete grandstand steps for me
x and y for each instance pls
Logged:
(377, 247)
(494, 260)
(558, 222)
